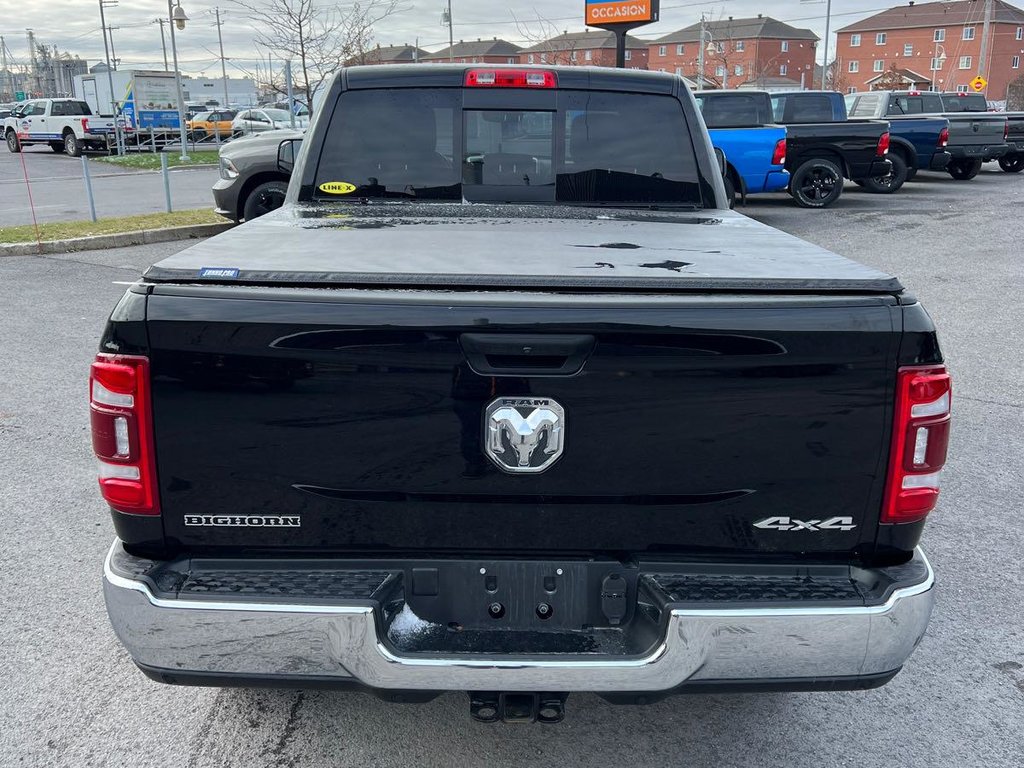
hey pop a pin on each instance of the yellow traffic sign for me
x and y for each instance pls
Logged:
(979, 83)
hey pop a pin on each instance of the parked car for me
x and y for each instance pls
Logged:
(913, 144)
(973, 138)
(66, 125)
(740, 125)
(7, 109)
(217, 123)
(269, 119)
(1013, 160)
(250, 183)
(572, 426)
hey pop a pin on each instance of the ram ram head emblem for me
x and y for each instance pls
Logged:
(524, 434)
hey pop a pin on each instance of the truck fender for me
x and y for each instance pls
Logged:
(899, 144)
(737, 180)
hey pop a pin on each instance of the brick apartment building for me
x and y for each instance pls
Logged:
(493, 51)
(742, 51)
(595, 48)
(389, 54)
(935, 45)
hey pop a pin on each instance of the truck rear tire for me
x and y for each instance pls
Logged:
(13, 145)
(57, 146)
(1012, 163)
(267, 197)
(730, 190)
(72, 147)
(963, 169)
(886, 185)
(816, 184)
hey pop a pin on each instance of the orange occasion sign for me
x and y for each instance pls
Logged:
(619, 12)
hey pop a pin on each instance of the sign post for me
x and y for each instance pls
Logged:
(619, 17)
(979, 83)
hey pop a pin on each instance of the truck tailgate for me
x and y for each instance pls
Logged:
(975, 129)
(359, 416)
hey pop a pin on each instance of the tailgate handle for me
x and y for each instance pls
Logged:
(526, 355)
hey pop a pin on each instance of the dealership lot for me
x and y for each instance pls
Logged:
(71, 697)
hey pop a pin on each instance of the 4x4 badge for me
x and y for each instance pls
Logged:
(792, 524)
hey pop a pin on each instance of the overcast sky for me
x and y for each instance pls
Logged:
(74, 25)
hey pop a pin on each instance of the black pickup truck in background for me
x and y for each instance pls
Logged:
(828, 147)
(973, 138)
(516, 406)
(1013, 160)
(913, 145)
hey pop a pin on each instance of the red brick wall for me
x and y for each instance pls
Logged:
(922, 48)
(759, 58)
(600, 57)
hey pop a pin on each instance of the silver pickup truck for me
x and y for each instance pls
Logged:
(974, 137)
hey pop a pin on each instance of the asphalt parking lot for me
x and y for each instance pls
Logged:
(70, 696)
(58, 188)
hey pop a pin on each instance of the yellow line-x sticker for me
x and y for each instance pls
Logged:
(337, 187)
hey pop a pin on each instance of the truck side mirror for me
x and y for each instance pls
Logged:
(286, 152)
(720, 156)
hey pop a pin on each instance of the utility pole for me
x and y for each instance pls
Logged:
(700, 56)
(446, 17)
(986, 30)
(110, 77)
(828, 21)
(163, 41)
(33, 62)
(223, 66)
(113, 53)
(7, 72)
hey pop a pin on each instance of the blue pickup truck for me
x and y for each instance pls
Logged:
(755, 149)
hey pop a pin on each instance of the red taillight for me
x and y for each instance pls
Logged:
(122, 433)
(779, 155)
(943, 137)
(85, 125)
(1006, 130)
(919, 441)
(510, 78)
(883, 145)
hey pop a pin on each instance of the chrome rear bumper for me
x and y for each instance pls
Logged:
(344, 642)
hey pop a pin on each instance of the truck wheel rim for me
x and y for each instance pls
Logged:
(818, 184)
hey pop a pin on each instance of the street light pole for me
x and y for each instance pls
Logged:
(700, 56)
(177, 18)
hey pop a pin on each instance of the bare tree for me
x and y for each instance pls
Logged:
(539, 33)
(835, 77)
(891, 80)
(317, 36)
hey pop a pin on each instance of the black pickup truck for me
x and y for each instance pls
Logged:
(1013, 160)
(820, 155)
(973, 138)
(514, 405)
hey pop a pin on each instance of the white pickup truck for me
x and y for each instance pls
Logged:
(67, 125)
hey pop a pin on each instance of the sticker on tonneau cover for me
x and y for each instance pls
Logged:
(337, 188)
(218, 272)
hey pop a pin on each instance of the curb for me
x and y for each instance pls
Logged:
(119, 240)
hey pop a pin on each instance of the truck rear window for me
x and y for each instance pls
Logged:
(734, 110)
(424, 144)
(803, 108)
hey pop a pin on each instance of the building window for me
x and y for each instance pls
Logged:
(855, 41)
(719, 71)
(968, 33)
(965, 62)
(851, 89)
(738, 70)
(908, 49)
(720, 47)
(880, 38)
(878, 65)
(741, 45)
(937, 64)
(662, 50)
(939, 36)
(572, 56)
(588, 55)
(783, 69)
(854, 66)
(530, 58)
(1020, 34)
(679, 71)
(785, 46)
(679, 49)
(961, 89)
(629, 55)
(513, 60)
(543, 58)
(1015, 62)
